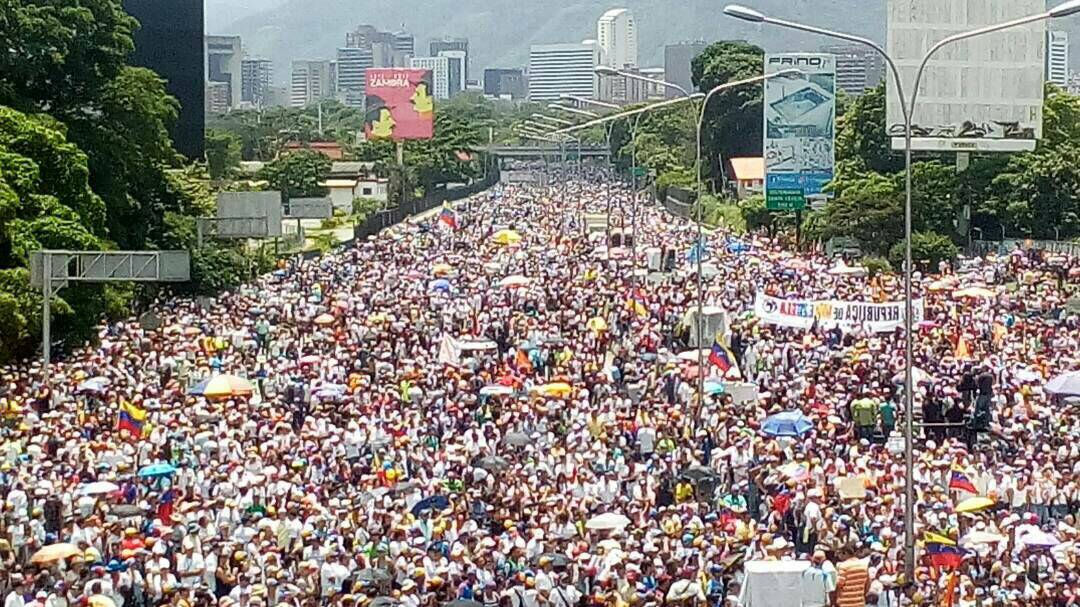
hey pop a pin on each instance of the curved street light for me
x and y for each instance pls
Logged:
(908, 109)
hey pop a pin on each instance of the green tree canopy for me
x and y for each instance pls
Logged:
(298, 174)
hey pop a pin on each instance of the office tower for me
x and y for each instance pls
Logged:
(455, 66)
(453, 46)
(440, 73)
(352, 66)
(677, 64)
(563, 69)
(857, 68)
(623, 90)
(616, 33)
(504, 83)
(1057, 58)
(224, 58)
(170, 41)
(256, 77)
(310, 82)
(217, 97)
(404, 42)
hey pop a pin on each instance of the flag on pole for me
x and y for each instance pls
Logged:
(637, 302)
(447, 216)
(132, 419)
(959, 480)
(943, 553)
(698, 251)
(721, 356)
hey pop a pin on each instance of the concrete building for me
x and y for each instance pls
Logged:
(454, 48)
(257, 75)
(677, 61)
(747, 176)
(310, 82)
(563, 69)
(224, 64)
(504, 83)
(456, 62)
(217, 97)
(352, 66)
(857, 68)
(616, 33)
(623, 90)
(440, 73)
(404, 42)
(1057, 58)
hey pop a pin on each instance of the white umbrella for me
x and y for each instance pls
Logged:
(1066, 384)
(975, 538)
(496, 390)
(918, 376)
(477, 344)
(607, 521)
(98, 488)
(514, 281)
(691, 356)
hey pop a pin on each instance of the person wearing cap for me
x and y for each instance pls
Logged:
(15, 598)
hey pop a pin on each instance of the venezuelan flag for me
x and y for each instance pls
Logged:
(636, 302)
(944, 555)
(721, 356)
(447, 216)
(132, 419)
(959, 480)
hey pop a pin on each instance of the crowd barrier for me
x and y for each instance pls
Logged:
(390, 217)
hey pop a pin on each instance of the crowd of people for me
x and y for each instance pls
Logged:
(489, 407)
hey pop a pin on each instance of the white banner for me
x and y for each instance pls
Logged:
(848, 315)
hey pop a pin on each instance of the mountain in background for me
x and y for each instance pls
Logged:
(500, 31)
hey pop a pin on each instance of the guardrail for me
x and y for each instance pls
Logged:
(1004, 247)
(376, 222)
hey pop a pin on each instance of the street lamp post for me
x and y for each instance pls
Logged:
(908, 107)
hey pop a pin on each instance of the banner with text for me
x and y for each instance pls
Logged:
(848, 315)
(399, 104)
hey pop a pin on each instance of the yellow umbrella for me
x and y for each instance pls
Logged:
(324, 319)
(227, 386)
(559, 389)
(974, 504)
(100, 600)
(441, 268)
(940, 285)
(506, 237)
(597, 324)
(54, 552)
(974, 293)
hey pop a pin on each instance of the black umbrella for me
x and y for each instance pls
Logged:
(126, 510)
(557, 559)
(404, 487)
(434, 502)
(697, 473)
(373, 576)
(517, 439)
(463, 603)
(384, 601)
(492, 463)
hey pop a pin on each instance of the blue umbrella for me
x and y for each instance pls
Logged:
(788, 423)
(713, 388)
(435, 502)
(157, 470)
(440, 284)
(200, 388)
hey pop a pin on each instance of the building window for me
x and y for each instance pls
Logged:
(367, 191)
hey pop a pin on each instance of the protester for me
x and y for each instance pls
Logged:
(498, 412)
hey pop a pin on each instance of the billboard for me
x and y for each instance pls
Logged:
(399, 105)
(248, 214)
(980, 94)
(800, 121)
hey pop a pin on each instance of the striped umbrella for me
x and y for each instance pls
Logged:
(222, 386)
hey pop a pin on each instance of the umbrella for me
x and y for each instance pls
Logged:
(1039, 539)
(126, 510)
(517, 439)
(511, 282)
(496, 390)
(330, 391)
(506, 237)
(713, 388)
(974, 504)
(156, 470)
(222, 387)
(100, 600)
(974, 538)
(439, 284)
(434, 502)
(557, 389)
(98, 488)
(597, 324)
(607, 521)
(309, 359)
(696, 473)
(324, 319)
(54, 552)
(492, 463)
(1066, 384)
(556, 559)
(383, 601)
(918, 376)
(94, 384)
(788, 423)
(441, 268)
(974, 293)
(463, 603)
(691, 356)
(467, 345)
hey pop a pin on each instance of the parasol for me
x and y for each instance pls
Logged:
(696, 473)
(1066, 384)
(975, 538)
(511, 282)
(94, 384)
(496, 390)
(506, 237)
(974, 504)
(788, 423)
(222, 387)
(974, 293)
(157, 470)
(323, 320)
(54, 552)
(98, 488)
(607, 521)
(492, 463)
(556, 389)
(517, 439)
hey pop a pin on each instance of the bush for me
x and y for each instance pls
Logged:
(719, 212)
(363, 207)
(876, 265)
(928, 249)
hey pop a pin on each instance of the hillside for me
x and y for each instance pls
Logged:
(500, 31)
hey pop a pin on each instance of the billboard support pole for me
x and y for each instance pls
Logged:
(46, 313)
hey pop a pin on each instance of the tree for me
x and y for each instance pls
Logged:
(928, 249)
(733, 124)
(862, 135)
(298, 174)
(868, 208)
(222, 152)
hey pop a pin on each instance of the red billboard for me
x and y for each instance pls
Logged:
(400, 104)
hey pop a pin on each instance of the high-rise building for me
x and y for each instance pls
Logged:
(857, 68)
(616, 33)
(1057, 58)
(624, 90)
(170, 40)
(352, 66)
(455, 66)
(224, 58)
(455, 47)
(563, 69)
(502, 83)
(257, 75)
(404, 42)
(217, 97)
(310, 82)
(677, 64)
(440, 73)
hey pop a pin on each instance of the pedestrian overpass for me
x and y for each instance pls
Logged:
(546, 151)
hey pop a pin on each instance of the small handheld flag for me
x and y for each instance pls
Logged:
(959, 480)
(448, 217)
(721, 356)
(131, 419)
(943, 555)
(636, 302)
